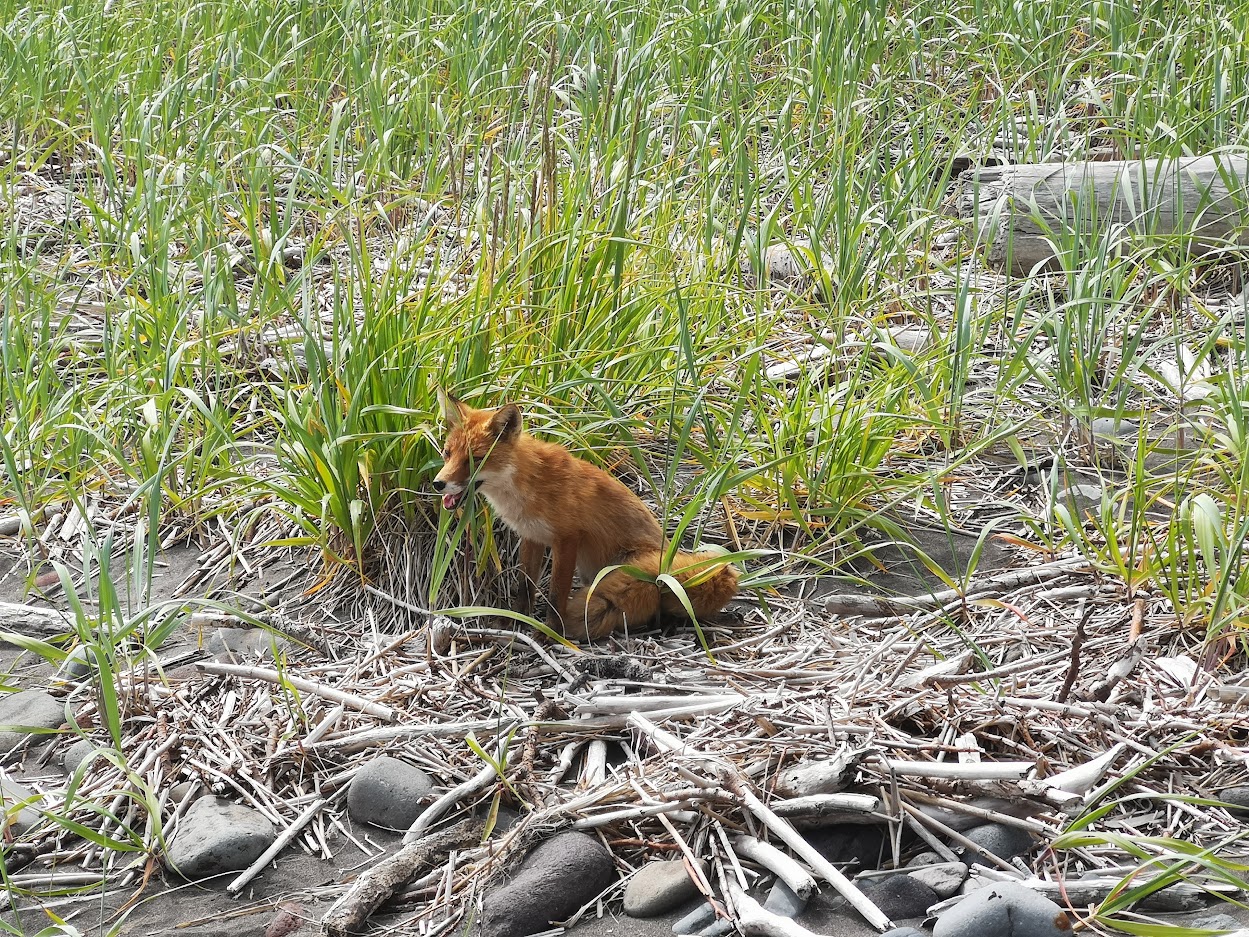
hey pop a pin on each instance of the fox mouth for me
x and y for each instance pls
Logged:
(449, 501)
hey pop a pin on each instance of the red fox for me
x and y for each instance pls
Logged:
(550, 498)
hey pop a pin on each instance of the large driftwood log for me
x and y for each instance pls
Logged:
(1019, 210)
(31, 622)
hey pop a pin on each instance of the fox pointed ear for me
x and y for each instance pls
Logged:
(505, 424)
(452, 409)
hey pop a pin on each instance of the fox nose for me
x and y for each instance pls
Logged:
(439, 484)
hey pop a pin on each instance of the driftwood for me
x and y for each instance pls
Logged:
(1019, 209)
(32, 622)
(376, 885)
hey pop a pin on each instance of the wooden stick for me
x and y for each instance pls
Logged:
(782, 866)
(349, 700)
(348, 914)
(755, 921)
(279, 844)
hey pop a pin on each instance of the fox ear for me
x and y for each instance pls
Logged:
(452, 409)
(505, 424)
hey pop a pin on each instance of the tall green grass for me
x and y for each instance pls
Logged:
(287, 225)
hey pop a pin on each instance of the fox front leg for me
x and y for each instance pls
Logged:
(532, 553)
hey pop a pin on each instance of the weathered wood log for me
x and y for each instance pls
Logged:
(30, 622)
(1018, 210)
(376, 884)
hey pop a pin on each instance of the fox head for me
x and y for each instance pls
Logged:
(479, 446)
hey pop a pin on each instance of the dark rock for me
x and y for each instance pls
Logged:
(1236, 796)
(388, 793)
(658, 887)
(28, 709)
(900, 896)
(784, 901)
(564, 873)
(696, 920)
(848, 842)
(1005, 842)
(79, 664)
(217, 836)
(1003, 910)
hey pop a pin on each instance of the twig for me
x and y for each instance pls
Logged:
(279, 844)
(349, 700)
(348, 914)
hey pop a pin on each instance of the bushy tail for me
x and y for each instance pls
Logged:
(620, 600)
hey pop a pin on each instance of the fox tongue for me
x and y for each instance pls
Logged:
(450, 501)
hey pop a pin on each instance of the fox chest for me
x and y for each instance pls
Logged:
(516, 511)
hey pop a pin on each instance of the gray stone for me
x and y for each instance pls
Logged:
(1108, 427)
(562, 874)
(899, 896)
(239, 644)
(79, 664)
(1005, 909)
(1005, 842)
(76, 754)
(718, 928)
(923, 859)
(12, 793)
(1237, 797)
(216, 836)
(29, 709)
(944, 878)
(784, 900)
(696, 920)
(1213, 922)
(659, 887)
(388, 793)
(904, 932)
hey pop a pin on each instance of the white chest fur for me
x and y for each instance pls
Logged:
(515, 509)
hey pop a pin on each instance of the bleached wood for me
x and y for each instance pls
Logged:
(1202, 199)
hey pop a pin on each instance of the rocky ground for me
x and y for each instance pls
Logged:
(977, 862)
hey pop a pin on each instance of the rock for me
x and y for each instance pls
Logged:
(718, 928)
(1236, 796)
(233, 645)
(1223, 922)
(784, 901)
(79, 664)
(1005, 909)
(900, 896)
(904, 932)
(696, 920)
(1005, 842)
(848, 842)
(11, 794)
(389, 793)
(562, 874)
(659, 887)
(786, 263)
(29, 709)
(217, 836)
(944, 878)
(1107, 427)
(923, 859)
(76, 754)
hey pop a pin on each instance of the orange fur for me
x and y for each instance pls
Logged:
(550, 498)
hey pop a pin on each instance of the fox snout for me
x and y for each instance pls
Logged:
(452, 491)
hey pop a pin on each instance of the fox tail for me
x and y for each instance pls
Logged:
(621, 600)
